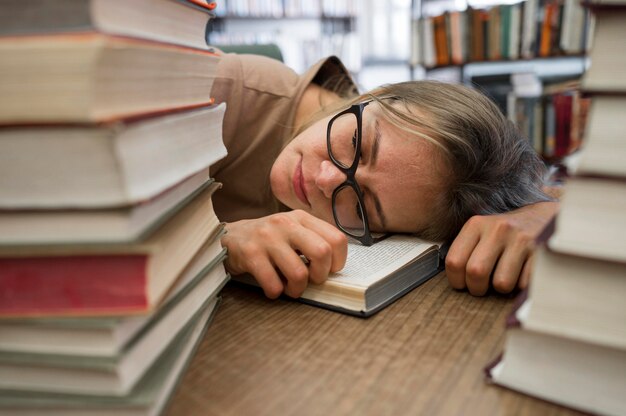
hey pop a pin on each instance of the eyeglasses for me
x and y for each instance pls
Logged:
(343, 139)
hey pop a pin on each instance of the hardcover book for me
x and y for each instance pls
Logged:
(586, 376)
(555, 303)
(176, 21)
(591, 219)
(374, 276)
(95, 226)
(115, 279)
(607, 70)
(96, 77)
(107, 165)
(604, 145)
(109, 336)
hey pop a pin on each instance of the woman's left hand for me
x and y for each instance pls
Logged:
(501, 246)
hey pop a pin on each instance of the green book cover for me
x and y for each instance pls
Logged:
(505, 30)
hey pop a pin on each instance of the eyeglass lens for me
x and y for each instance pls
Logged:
(342, 145)
(343, 137)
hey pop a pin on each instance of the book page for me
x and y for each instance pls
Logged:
(366, 265)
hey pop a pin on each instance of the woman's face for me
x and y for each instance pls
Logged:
(400, 175)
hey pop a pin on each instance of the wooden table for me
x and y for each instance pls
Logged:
(423, 355)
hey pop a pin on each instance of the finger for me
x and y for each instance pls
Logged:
(526, 274)
(267, 277)
(459, 254)
(293, 269)
(337, 240)
(481, 264)
(318, 251)
(509, 268)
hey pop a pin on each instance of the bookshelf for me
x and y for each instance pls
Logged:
(455, 33)
(304, 30)
(489, 43)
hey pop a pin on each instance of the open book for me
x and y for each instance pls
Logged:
(375, 276)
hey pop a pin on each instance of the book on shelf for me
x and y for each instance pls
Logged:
(514, 33)
(478, 17)
(494, 51)
(528, 36)
(588, 376)
(110, 335)
(510, 20)
(175, 21)
(441, 40)
(106, 165)
(607, 69)
(416, 43)
(97, 77)
(85, 279)
(113, 374)
(148, 398)
(547, 29)
(505, 30)
(572, 39)
(428, 57)
(553, 118)
(495, 86)
(457, 28)
(374, 276)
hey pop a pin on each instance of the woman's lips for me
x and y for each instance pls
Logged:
(298, 184)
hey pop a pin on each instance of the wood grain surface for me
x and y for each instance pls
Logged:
(423, 355)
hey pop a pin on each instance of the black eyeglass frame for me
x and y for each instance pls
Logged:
(367, 239)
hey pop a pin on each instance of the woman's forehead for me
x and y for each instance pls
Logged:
(410, 174)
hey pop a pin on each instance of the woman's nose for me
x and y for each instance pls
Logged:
(329, 178)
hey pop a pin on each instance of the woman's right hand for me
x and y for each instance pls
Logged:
(269, 248)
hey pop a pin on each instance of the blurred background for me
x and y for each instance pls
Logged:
(528, 56)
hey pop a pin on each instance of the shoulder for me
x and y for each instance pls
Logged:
(258, 73)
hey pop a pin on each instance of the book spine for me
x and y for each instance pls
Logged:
(80, 285)
(563, 121)
(545, 42)
(441, 41)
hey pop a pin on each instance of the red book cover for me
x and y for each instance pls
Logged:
(563, 114)
(55, 285)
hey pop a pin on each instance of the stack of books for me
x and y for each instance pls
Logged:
(524, 30)
(110, 254)
(567, 340)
